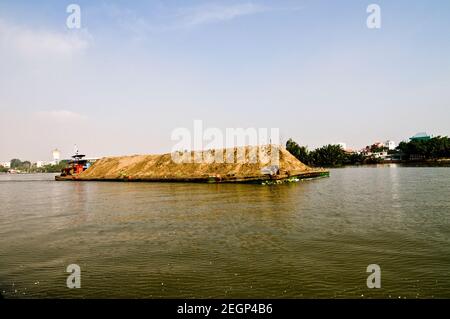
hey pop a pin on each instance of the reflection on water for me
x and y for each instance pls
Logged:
(310, 239)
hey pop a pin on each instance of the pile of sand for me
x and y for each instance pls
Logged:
(163, 167)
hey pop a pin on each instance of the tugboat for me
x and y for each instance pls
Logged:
(74, 167)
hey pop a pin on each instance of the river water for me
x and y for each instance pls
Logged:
(312, 239)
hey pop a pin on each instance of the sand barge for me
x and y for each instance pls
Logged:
(249, 164)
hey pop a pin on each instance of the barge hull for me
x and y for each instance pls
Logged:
(242, 180)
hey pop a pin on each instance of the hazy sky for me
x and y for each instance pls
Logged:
(136, 70)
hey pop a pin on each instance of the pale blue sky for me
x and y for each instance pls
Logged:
(139, 69)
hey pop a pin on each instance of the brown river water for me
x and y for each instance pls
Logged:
(312, 239)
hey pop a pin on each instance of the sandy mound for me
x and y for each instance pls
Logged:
(238, 163)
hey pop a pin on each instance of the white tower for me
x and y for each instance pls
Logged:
(56, 156)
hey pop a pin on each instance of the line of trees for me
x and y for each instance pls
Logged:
(19, 165)
(51, 168)
(333, 155)
(28, 167)
(328, 155)
(434, 148)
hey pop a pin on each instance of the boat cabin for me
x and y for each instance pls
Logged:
(76, 166)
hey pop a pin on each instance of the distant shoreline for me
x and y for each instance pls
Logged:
(27, 173)
(406, 163)
(403, 164)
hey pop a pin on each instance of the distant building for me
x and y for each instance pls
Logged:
(381, 155)
(390, 145)
(56, 156)
(422, 136)
(5, 164)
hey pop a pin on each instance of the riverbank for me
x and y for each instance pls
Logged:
(404, 163)
(427, 163)
(438, 161)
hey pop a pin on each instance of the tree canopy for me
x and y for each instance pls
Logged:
(328, 155)
(434, 148)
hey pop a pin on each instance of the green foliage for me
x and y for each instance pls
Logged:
(300, 152)
(328, 155)
(334, 155)
(55, 168)
(3, 169)
(434, 148)
(355, 158)
(16, 163)
(378, 149)
(27, 167)
(51, 168)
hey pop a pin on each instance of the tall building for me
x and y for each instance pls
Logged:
(56, 156)
(390, 145)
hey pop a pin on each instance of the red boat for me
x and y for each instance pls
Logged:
(76, 166)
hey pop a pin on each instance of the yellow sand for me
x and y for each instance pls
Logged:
(154, 167)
